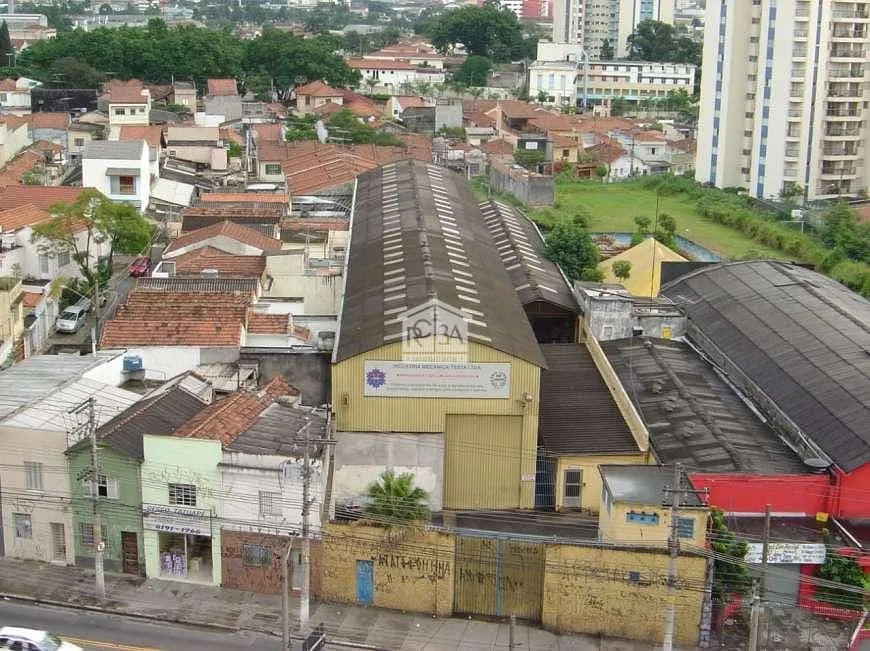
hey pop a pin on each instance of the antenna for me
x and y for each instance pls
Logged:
(322, 131)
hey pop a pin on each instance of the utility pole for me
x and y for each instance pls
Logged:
(760, 587)
(512, 633)
(673, 552)
(99, 545)
(285, 597)
(306, 543)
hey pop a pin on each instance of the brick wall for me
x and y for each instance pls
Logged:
(265, 579)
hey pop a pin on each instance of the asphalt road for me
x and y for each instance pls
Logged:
(97, 632)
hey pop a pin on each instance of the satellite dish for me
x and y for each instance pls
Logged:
(322, 133)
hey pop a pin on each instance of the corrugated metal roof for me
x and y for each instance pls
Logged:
(280, 430)
(643, 485)
(519, 244)
(40, 376)
(692, 415)
(801, 337)
(176, 284)
(417, 235)
(577, 414)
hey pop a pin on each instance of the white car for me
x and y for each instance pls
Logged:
(28, 639)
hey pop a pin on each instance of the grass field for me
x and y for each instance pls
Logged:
(613, 207)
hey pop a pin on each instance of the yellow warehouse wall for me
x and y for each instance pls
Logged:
(413, 569)
(613, 527)
(588, 590)
(358, 413)
(590, 491)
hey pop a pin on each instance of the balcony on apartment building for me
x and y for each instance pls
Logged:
(842, 130)
(836, 170)
(846, 72)
(847, 52)
(848, 31)
(792, 152)
(844, 112)
(840, 150)
(850, 10)
(842, 90)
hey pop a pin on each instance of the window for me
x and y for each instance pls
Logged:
(119, 111)
(33, 475)
(4, 97)
(43, 264)
(123, 184)
(642, 518)
(257, 556)
(633, 577)
(79, 142)
(686, 527)
(23, 525)
(182, 494)
(103, 487)
(63, 259)
(86, 534)
(273, 169)
(270, 503)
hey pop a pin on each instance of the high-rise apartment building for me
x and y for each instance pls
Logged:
(568, 21)
(784, 96)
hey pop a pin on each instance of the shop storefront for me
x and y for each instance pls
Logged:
(180, 543)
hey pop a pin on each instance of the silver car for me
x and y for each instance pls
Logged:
(71, 319)
(28, 639)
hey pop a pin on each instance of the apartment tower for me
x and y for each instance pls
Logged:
(784, 97)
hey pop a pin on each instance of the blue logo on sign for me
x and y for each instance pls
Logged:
(376, 378)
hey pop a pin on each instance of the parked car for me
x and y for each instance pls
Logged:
(28, 639)
(141, 266)
(72, 318)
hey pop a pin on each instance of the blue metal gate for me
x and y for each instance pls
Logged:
(365, 581)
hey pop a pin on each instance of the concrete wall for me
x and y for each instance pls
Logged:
(590, 590)
(51, 504)
(229, 106)
(265, 579)
(614, 525)
(159, 362)
(320, 294)
(448, 113)
(94, 175)
(413, 569)
(361, 457)
(307, 371)
(590, 490)
(531, 189)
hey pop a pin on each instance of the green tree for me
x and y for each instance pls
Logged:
(395, 497)
(730, 575)
(622, 269)
(7, 52)
(643, 228)
(473, 71)
(601, 171)
(485, 30)
(103, 222)
(570, 246)
(618, 106)
(75, 73)
(845, 571)
(606, 53)
(529, 158)
(666, 231)
(841, 231)
(653, 40)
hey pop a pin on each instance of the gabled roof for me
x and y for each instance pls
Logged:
(799, 336)
(194, 262)
(318, 88)
(241, 286)
(646, 267)
(378, 64)
(238, 232)
(577, 414)
(151, 134)
(607, 151)
(225, 87)
(125, 92)
(244, 197)
(519, 243)
(406, 207)
(49, 120)
(546, 121)
(263, 323)
(113, 150)
(409, 101)
(328, 108)
(224, 420)
(514, 109)
(14, 219)
(281, 430)
(39, 196)
(499, 146)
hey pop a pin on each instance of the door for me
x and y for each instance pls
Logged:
(130, 552)
(365, 581)
(58, 542)
(573, 483)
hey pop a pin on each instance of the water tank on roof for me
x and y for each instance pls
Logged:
(133, 363)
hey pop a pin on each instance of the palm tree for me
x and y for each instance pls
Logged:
(395, 497)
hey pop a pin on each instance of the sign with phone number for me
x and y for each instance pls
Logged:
(169, 526)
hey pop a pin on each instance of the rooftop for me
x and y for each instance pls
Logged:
(113, 150)
(20, 217)
(242, 286)
(577, 414)
(318, 89)
(225, 87)
(638, 484)
(520, 246)
(245, 197)
(38, 196)
(281, 430)
(47, 120)
(418, 235)
(693, 416)
(125, 92)
(646, 267)
(151, 134)
(801, 337)
(238, 232)
(226, 264)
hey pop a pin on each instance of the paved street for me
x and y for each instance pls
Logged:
(96, 631)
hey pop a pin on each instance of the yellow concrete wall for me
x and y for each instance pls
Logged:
(413, 569)
(590, 491)
(613, 526)
(588, 590)
(376, 414)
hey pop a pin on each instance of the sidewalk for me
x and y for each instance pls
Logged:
(209, 606)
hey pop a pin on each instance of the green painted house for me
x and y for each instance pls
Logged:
(117, 488)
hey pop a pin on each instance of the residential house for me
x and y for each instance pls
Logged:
(200, 145)
(117, 488)
(262, 474)
(49, 127)
(683, 154)
(223, 237)
(36, 427)
(168, 199)
(393, 76)
(315, 94)
(418, 54)
(512, 120)
(650, 146)
(129, 103)
(40, 311)
(646, 261)
(311, 276)
(120, 170)
(222, 99)
(263, 217)
(182, 489)
(397, 104)
(79, 134)
(15, 95)
(11, 314)
(14, 137)
(621, 164)
(184, 94)
(153, 137)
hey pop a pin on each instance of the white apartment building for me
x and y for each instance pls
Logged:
(636, 80)
(557, 80)
(784, 96)
(568, 21)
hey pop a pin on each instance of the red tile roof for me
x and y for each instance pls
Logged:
(14, 219)
(229, 134)
(225, 419)
(244, 197)
(512, 108)
(328, 108)
(14, 171)
(318, 89)
(194, 262)
(269, 132)
(31, 299)
(125, 92)
(295, 224)
(607, 151)
(497, 146)
(226, 87)
(49, 120)
(229, 229)
(40, 196)
(477, 105)
(260, 323)
(546, 122)
(410, 101)
(152, 134)
(378, 64)
(14, 121)
(564, 142)
(7, 85)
